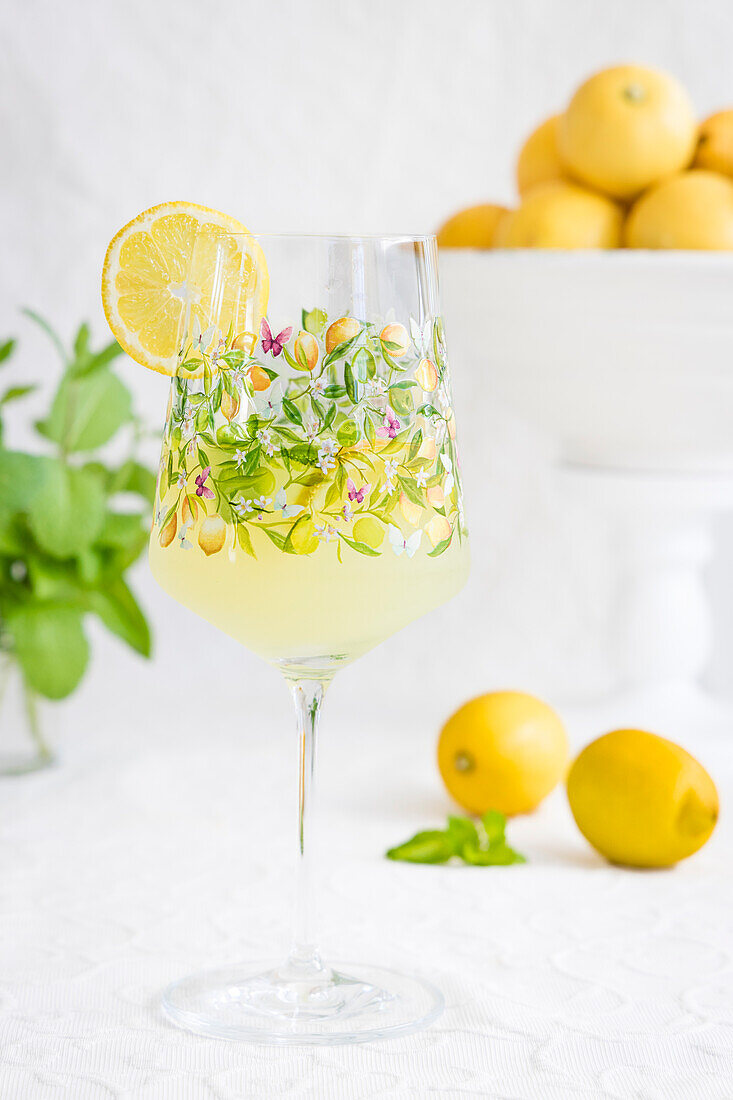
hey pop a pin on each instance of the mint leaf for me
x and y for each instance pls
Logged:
(500, 855)
(462, 831)
(432, 846)
(87, 411)
(50, 645)
(122, 529)
(22, 477)
(66, 515)
(120, 613)
(481, 845)
(6, 350)
(132, 477)
(494, 824)
(12, 393)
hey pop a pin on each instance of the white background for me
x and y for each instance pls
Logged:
(563, 978)
(327, 116)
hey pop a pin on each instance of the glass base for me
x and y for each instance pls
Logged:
(278, 1004)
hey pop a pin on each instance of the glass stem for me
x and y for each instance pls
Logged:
(304, 958)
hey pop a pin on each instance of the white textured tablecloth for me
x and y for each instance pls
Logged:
(161, 844)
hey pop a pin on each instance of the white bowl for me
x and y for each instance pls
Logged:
(625, 358)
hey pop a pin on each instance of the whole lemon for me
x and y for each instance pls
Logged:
(502, 751)
(715, 143)
(473, 227)
(626, 128)
(641, 800)
(562, 215)
(539, 158)
(691, 210)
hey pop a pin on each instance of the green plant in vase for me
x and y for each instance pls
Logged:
(71, 524)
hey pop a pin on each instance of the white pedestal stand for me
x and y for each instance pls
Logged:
(662, 532)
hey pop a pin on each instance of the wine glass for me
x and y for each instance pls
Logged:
(309, 504)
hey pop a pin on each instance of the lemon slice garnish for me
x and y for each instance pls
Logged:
(177, 271)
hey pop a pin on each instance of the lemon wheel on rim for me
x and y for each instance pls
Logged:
(179, 270)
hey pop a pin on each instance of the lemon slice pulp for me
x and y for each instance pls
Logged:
(177, 271)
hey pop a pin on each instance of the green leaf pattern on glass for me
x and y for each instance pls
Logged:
(351, 437)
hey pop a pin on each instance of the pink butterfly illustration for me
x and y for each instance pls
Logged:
(274, 343)
(202, 490)
(357, 494)
(390, 425)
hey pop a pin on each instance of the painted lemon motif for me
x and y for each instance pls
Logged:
(168, 533)
(437, 530)
(189, 510)
(229, 405)
(626, 128)
(340, 331)
(539, 158)
(305, 350)
(426, 375)
(641, 800)
(212, 533)
(303, 536)
(503, 751)
(259, 378)
(410, 510)
(396, 340)
(369, 531)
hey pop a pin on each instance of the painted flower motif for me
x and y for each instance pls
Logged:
(390, 426)
(191, 446)
(274, 344)
(280, 504)
(441, 431)
(159, 516)
(421, 478)
(317, 387)
(218, 350)
(188, 427)
(325, 532)
(376, 387)
(391, 467)
(326, 453)
(348, 512)
(240, 457)
(310, 427)
(243, 506)
(202, 489)
(260, 503)
(181, 479)
(264, 438)
(182, 540)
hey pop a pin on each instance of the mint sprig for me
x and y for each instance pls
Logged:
(478, 843)
(66, 538)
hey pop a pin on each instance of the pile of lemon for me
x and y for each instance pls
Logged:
(638, 798)
(625, 165)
